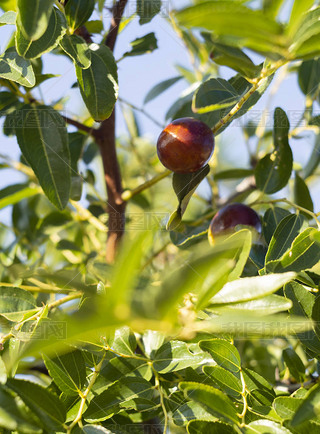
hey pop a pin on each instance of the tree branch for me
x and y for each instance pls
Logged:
(79, 125)
(106, 140)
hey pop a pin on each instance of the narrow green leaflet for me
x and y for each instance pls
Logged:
(176, 355)
(274, 170)
(223, 353)
(43, 140)
(68, 371)
(306, 34)
(12, 416)
(15, 193)
(205, 426)
(308, 76)
(78, 12)
(34, 20)
(240, 25)
(267, 305)
(160, 88)
(91, 429)
(242, 255)
(214, 94)
(148, 9)
(15, 68)
(294, 364)
(302, 196)
(119, 367)
(303, 254)
(189, 411)
(76, 145)
(225, 380)
(314, 159)
(251, 288)
(119, 394)
(14, 300)
(233, 174)
(49, 40)
(284, 235)
(99, 83)
(309, 408)
(8, 18)
(286, 406)
(77, 48)
(123, 341)
(298, 9)
(184, 186)
(264, 426)
(3, 372)
(143, 45)
(44, 404)
(271, 220)
(212, 400)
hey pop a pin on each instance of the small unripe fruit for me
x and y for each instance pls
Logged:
(232, 215)
(185, 145)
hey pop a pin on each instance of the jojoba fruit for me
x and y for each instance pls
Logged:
(232, 215)
(185, 145)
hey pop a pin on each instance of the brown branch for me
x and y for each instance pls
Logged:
(106, 139)
(79, 125)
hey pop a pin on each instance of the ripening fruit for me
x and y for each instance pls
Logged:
(232, 215)
(185, 145)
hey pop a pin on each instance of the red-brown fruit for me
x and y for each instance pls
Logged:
(185, 145)
(232, 215)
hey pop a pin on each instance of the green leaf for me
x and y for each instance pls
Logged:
(175, 355)
(214, 94)
(15, 68)
(302, 195)
(274, 170)
(225, 380)
(34, 20)
(271, 220)
(15, 193)
(123, 341)
(260, 391)
(205, 426)
(239, 25)
(160, 88)
(49, 40)
(308, 76)
(3, 372)
(184, 186)
(284, 235)
(303, 300)
(43, 140)
(99, 83)
(13, 417)
(91, 429)
(147, 9)
(286, 406)
(233, 174)
(14, 300)
(251, 288)
(77, 48)
(306, 34)
(143, 45)
(68, 371)
(314, 159)
(123, 392)
(78, 12)
(309, 408)
(76, 145)
(189, 411)
(272, 7)
(8, 18)
(44, 404)
(223, 353)
(212, 400)
(266, 427)
(234, 58)
(294, 364)
(303, 254)
(120, 367)
(265, 306)
(297, 15)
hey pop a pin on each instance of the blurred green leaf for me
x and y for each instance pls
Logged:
(309, 408)
(274, 170)
(147, 9)
(14, 300)
(201, 426)
(160, 88)
(8, 18)
(314, 158)
(233, 174)
(271, 220)
(286, 406)
(308, 77)
(297, 15)
(265, 427)
(302, 195)
(145, 44)
(214, 94)
(14, 193)
(267, 305)
(294, 364)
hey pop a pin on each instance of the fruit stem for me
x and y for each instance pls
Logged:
(129, 194)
